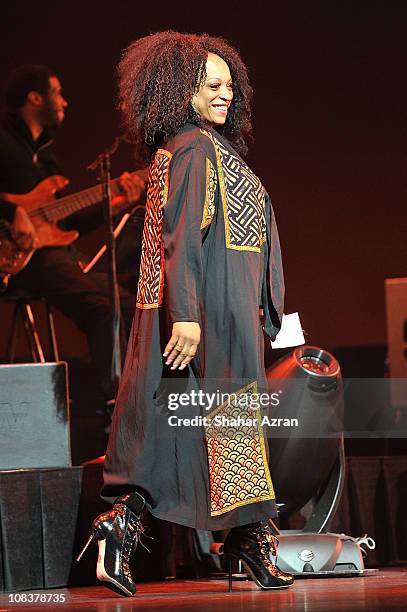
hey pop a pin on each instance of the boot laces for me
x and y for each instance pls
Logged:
(142, 532)
(135, 531)
(268, 542)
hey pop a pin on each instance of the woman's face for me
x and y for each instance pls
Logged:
(215, 95)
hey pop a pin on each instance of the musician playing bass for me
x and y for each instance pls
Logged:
(35, 108)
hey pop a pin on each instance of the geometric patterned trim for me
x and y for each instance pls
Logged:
(237, 458)
(151, 279)
(211, 185)
(243, 199)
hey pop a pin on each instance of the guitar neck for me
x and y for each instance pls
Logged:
(64, 207)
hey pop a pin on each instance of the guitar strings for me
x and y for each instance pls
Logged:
(70, 203)
(56, 209)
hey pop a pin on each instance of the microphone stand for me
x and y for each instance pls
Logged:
(102, 164)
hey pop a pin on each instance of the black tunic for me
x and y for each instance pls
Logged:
(211, 255)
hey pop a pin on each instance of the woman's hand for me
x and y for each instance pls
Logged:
(182, 345)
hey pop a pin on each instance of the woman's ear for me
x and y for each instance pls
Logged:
(193, 103)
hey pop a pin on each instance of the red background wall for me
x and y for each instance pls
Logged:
(329, 119)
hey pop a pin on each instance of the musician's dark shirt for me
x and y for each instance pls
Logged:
(24, 162)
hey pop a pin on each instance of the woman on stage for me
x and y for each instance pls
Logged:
(210, 260)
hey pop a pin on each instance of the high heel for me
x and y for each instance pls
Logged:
(255, 544)
(84, 549)
(118, 533)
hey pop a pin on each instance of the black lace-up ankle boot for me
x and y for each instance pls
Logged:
(118, 533)
(255, 545)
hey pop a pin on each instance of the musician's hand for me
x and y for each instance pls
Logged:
(23, 230)
(182, 345)
(132, 187)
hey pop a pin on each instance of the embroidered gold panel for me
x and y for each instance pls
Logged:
(151, 279)
(211, 185)
(243, 200)
(238, 468)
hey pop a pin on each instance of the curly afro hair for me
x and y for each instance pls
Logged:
(158, 75)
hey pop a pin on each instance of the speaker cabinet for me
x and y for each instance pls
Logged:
(39, 516)
(34, 416)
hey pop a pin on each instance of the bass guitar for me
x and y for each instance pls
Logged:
(45, 210)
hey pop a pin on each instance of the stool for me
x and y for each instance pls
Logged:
(23, 313)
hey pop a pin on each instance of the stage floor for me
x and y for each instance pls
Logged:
(385, 590)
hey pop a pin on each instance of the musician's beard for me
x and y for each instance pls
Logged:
(51, 117)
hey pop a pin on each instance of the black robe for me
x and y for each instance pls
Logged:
(211, 255)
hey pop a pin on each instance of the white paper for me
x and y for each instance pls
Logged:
(290, 333)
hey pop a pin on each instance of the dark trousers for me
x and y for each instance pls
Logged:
(55, 274)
